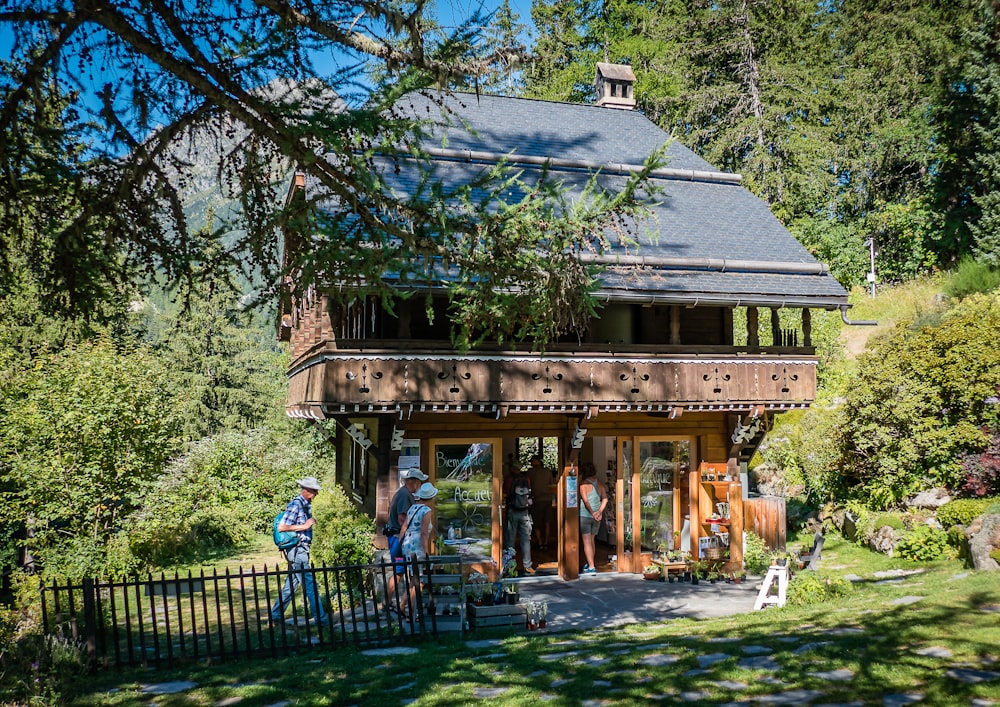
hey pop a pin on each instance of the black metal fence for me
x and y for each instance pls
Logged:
(160, 621)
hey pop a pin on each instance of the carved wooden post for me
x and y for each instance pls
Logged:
(806, 326)
(694, 491)
(753, 327)
(775, 328)
(675, 324)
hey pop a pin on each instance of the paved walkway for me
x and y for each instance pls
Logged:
(611, 599)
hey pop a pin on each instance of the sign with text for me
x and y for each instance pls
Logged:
(464, 478)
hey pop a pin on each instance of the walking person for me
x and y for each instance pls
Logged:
(298, 518)
(416, 537)
(518, 501)
(593, 501)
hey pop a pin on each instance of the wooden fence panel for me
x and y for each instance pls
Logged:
(765, 516)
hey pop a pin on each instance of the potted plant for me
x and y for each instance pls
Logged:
(531, 615)
(651, 572)
(697, 568)
(511, 592)
(779, 558)
(543, 612)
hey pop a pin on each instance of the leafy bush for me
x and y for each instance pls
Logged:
(35, 669)
(956, 537)
(971, 276)
(805, 454)
(981, 471)
(962, 511)
(83, 433)
(343, 535)
(923, 544)
(814, 587)
(918, 402)
(217, 497)
(756, 554)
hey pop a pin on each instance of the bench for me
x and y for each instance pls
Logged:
(671, 567)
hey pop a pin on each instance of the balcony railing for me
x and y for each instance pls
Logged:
(336, 380)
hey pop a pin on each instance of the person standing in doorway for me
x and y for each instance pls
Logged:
(593, 501)
(543, 506)
(298, 518)
(518, 522)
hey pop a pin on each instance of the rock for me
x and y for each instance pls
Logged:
(884, 540)
(932, 498)
(984, 537)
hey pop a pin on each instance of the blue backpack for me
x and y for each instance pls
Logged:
(285, 540)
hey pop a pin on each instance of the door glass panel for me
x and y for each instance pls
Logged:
(626, 505)
(660, 464)
(463, 474)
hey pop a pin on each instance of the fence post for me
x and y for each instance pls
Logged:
(90, 622)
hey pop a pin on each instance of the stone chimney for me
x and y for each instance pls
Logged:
(613, 85)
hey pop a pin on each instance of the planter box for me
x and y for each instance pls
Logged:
(500, 615)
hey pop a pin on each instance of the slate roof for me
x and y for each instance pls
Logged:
(709, 241)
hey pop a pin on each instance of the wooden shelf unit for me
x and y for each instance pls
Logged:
(705, 495)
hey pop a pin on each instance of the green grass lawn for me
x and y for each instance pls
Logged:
(933, 635)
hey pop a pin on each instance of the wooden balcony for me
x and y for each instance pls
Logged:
(331, 381)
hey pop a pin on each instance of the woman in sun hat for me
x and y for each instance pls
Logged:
(416, 531)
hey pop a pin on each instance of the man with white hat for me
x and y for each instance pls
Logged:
(298, 518)
(402, 500)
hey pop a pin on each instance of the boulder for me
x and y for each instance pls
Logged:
(932, 498)
(984, 538)
(884, 540)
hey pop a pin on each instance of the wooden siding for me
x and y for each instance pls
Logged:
(385, 382)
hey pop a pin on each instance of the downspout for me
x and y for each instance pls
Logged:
(860, 322)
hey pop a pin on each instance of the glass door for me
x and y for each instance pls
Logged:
(654, 496)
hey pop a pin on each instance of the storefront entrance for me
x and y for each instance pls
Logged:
(645, 478)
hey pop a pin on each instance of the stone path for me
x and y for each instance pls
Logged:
(718, 670)
(662, 656)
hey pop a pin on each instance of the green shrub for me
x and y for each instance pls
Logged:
(995, 554)
(756, 554)
(956, 536)
(215, 498)
(916, 404)
(894, 522)
(814, 587)
(35, 669)
(971, 276)
(343, 535)
(923, 544)
(962, 511)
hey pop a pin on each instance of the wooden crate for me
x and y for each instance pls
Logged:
(509, 615)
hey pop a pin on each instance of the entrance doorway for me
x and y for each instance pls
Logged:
(541, 458)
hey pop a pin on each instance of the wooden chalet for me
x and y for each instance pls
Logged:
(664, 393)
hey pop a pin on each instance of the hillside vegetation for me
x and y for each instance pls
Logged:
(910, 406)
